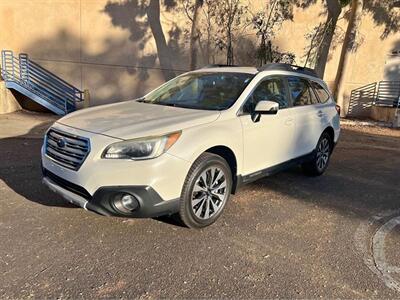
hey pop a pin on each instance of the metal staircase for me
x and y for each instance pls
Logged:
(30, 79)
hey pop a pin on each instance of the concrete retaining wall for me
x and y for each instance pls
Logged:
(8, 103)
(386, 114)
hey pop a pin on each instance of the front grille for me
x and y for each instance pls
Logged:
(67, 150)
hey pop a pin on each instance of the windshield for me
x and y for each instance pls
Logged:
(208, 91)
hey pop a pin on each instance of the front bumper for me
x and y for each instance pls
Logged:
(156, 183)
(150, 204)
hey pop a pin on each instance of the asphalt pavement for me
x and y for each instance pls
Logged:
(286, 236)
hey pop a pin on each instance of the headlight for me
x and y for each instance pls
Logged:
(143, 148)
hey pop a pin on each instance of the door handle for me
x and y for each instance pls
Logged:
(320, 114)
(289, 121)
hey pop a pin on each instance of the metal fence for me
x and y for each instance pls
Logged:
(383, 93)
(388, 94)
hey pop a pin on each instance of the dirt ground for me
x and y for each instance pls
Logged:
(286, 236)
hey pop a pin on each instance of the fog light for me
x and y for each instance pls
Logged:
(126, 203)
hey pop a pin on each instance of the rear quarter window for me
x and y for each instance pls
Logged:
(322, 94)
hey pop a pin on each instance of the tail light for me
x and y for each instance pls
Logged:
(337, 109)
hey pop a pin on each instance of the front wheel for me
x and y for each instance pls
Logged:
(319, 162)
(206, 190)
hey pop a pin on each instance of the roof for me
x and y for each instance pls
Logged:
(273, 67)
(288, 68)
(228, 69)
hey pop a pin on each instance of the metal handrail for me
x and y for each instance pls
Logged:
(43, 83)
(388, 94)
(382, 93)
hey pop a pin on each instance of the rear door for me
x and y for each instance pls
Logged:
(327, 111)
(309, 115)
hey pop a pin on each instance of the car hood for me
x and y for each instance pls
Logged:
(131, 119)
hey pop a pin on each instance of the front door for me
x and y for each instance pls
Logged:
(268, 141)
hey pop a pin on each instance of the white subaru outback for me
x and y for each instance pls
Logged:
(188, 145)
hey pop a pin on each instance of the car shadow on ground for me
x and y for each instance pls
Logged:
(21, 171)
(21, 167)
(363, 176)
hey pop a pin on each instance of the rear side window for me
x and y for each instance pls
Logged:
(301, 92)
(320, 91)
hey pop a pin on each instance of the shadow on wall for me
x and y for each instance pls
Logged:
(142, 20)
(117, 73)
(362, 98)
(392, 68)
(245, 52)
(125, 68)
(120, 67)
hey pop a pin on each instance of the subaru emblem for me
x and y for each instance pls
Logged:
(61, 143)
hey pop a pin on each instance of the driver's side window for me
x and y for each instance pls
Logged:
(272, 89)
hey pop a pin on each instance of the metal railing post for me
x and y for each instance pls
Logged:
(12, 65)
(86, 98)
(23, 68)
(3, 66)
(398, 98)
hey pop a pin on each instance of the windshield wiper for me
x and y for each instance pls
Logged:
(142, 100)
(182, 105)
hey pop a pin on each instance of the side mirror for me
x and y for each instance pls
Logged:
(264, 107)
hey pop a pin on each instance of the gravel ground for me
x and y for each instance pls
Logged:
(286, 236)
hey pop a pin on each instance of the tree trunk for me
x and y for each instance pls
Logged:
(269, 52)
(229, 54)
(334, 10)
(263, 51)
(153, 15)
(349, 38)
(312, 45)
(194, 35)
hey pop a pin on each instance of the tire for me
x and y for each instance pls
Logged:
(206, 191)
(321, 156)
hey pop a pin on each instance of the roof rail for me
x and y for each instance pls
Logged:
(288, 67)
(218, 66)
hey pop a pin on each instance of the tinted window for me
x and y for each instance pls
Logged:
(321, 92)
(209, 91)
(301, 92)
(272, 90)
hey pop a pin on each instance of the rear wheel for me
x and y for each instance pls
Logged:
(319, 163)
(206, 190)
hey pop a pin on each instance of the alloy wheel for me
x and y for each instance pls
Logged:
(209, 193)
(323, 152)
